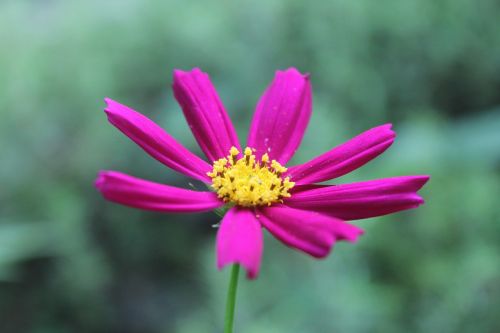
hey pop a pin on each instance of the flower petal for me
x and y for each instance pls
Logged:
(240, 241)
(344, 158)
(281, 116)
(134, 192)
(155, 141)
(362, 200)
(205, 113)
(309, 232)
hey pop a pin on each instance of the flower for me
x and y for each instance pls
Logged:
(253, 182)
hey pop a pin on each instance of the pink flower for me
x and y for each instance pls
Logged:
(253, 182)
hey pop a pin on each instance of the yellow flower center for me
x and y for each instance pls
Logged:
(248, 183)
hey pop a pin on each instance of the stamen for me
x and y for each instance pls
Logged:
(248, 183)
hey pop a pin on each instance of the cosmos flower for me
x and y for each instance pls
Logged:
(253, 183)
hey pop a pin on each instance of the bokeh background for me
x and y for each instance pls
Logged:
(72, 262)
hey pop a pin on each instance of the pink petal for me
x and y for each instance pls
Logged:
(344, 158)
(139, 193)
(204, 113)
(240, 241)
(155, 141)
(362, 200)
(282, 115)
(307, 231)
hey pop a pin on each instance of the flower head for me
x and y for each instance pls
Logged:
(254, 182)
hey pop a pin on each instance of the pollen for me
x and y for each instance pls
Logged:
(244, 181)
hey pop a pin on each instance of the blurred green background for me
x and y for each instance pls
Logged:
(72, 262)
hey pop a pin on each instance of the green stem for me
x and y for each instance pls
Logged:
(231, 299)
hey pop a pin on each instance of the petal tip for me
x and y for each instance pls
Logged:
(322, 253)
(252, 272)
(292, 71)
(425, 178)
(179, 73)
(252, 275)
(415, 201)
(419, 201)
(350, 233)
(421, 181)
(354, 234)
(99, 182)
(390, 131)
(112, 106)
(108, 102)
